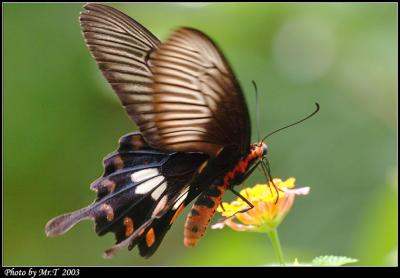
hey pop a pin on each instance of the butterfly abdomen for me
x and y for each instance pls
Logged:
(201, 214)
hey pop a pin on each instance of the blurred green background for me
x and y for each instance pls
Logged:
(61, 118)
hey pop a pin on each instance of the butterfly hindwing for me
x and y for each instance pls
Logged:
(160, 226)
(138, 186)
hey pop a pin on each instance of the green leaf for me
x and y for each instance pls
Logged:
(330, 260)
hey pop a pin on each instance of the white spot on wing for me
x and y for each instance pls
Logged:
(160, 206)
(144, 174)
(180, 201)
(157, 193)
(149, 185)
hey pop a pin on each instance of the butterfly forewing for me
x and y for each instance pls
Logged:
(121, 48)
(182, 93)
(198, 104)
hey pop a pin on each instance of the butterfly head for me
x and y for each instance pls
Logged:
(259, 150)
(264, 149)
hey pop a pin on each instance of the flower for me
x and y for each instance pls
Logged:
(268, 211)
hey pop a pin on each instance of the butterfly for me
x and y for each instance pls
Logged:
(194, 139)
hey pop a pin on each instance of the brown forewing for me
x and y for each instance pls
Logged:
(121, 47)
(198, 104)
(182, 94)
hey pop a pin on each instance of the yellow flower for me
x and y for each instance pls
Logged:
(268, 211)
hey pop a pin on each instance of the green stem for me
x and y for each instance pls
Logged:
(273, 235)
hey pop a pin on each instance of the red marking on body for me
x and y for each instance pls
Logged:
(242, 165)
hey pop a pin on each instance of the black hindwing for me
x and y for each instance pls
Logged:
(136, 194)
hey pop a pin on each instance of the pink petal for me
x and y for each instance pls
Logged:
(247, 218)
(219, 225)
(233, 225)
(297, 191)
(285, 205)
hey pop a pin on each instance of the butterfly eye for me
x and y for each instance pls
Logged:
(264, 149)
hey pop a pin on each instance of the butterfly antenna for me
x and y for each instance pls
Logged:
(257, 111)
(302, 120)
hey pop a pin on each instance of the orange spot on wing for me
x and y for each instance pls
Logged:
(109, 211)
(178, 211)
(129, 229)
(201, 168)
(150, 237)
(137, 142)
(110, 185)
(118, 162)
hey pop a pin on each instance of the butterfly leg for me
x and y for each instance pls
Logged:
(248, 173)
(243, 198)
(265, 167)
(222, 206)
(251, 206)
